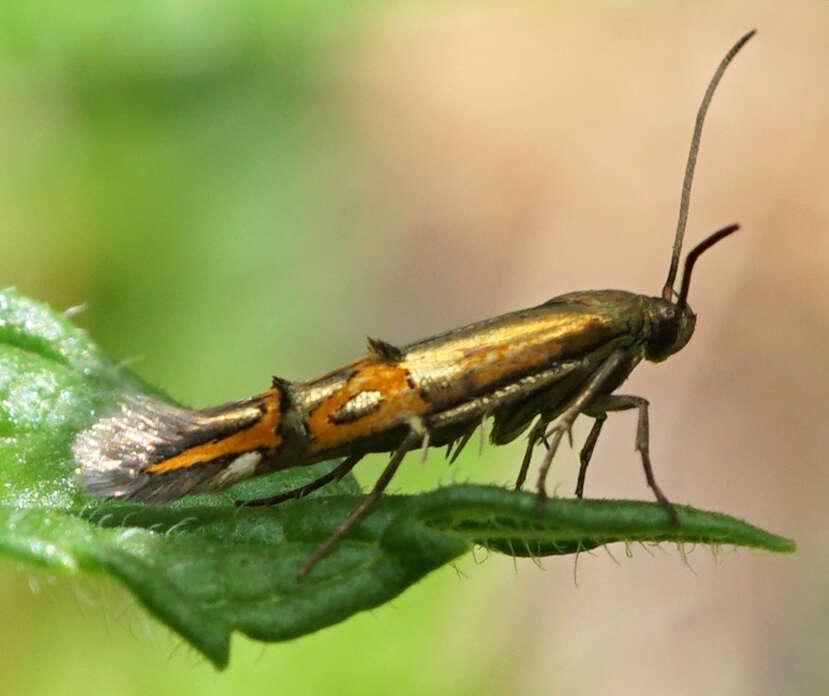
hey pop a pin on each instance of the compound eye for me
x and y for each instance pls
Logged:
(663, 336)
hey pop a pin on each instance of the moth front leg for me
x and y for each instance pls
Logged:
(579, 404)
(599, 408)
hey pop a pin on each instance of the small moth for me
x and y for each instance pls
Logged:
(535, 369)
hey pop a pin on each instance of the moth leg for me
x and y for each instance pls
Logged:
(555, 434)
(536, 435)
(623, 402)
(335, 474)
(461, 445)
(412, 440)
(424, 448)
(587, 451)
(483, 435)
(578, 405)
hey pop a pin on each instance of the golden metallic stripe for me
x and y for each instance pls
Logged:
(477, 361)
(434, 375)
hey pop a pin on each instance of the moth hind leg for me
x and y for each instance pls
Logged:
(335, 474)
(416, 436)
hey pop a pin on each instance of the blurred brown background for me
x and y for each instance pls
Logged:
(470, 159)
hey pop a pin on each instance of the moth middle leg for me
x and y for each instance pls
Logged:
(599, 409)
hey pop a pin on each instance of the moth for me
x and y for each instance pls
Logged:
(535, 369)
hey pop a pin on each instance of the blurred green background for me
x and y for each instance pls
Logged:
(239, 189)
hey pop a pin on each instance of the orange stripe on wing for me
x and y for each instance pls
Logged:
(261, 435)
(399, 403)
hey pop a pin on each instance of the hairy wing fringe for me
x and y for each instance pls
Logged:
(114, 453)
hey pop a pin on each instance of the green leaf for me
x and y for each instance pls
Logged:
(207, 568)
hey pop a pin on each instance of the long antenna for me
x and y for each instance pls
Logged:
(668, 290)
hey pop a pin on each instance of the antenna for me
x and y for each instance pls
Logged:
(692, 257)
(668, 289)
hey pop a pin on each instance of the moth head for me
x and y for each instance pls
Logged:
(671, 327)
(672, 323)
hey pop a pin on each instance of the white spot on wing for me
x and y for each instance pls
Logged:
(244, 466)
